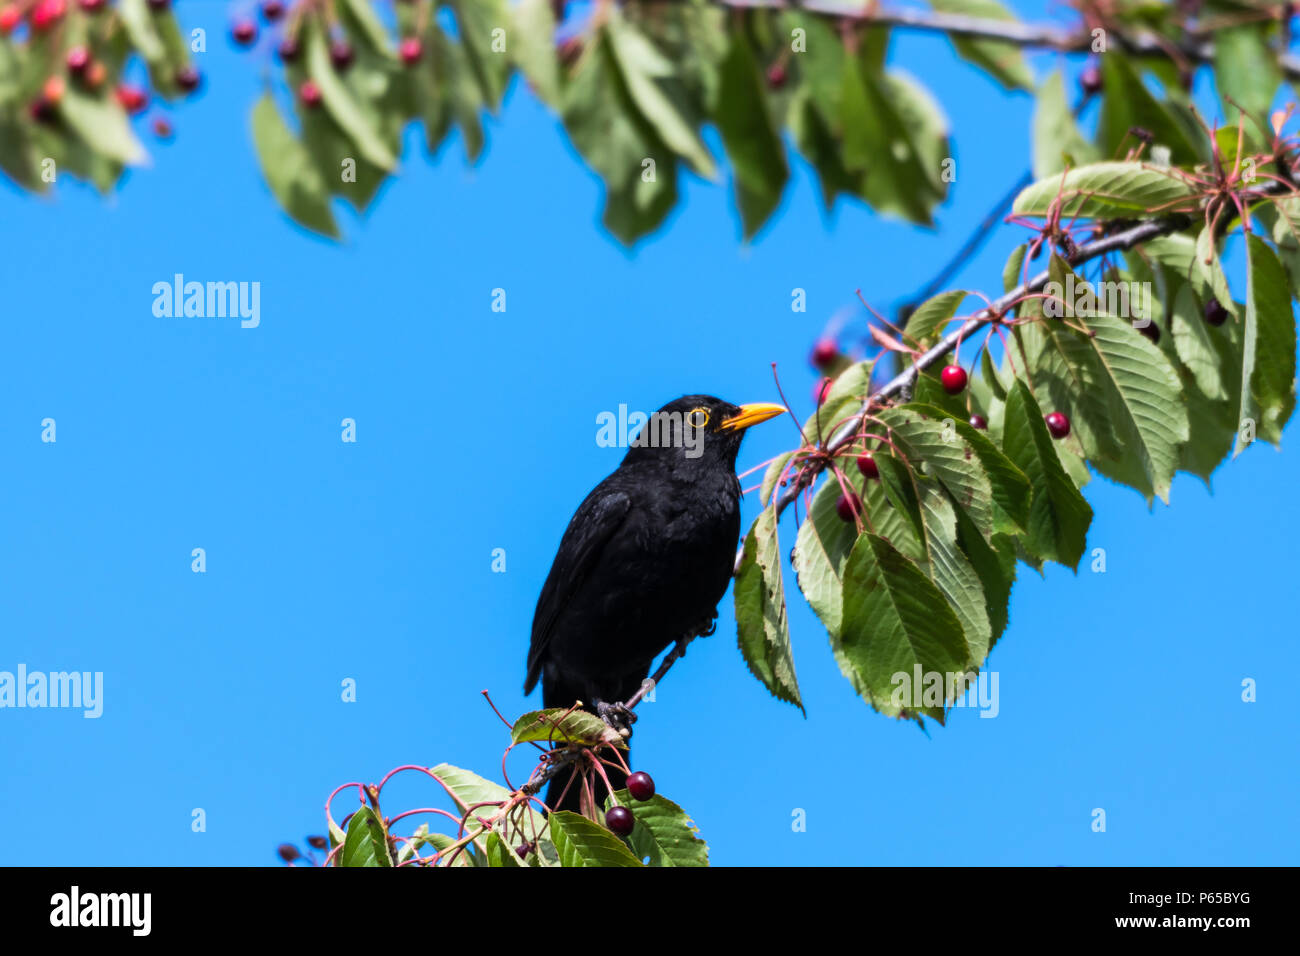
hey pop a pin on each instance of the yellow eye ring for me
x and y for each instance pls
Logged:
(697, 417)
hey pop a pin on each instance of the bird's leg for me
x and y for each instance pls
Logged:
(617, 715)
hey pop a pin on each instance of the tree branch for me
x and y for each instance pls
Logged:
(1196, 47)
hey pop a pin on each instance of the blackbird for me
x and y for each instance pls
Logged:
(643, 564)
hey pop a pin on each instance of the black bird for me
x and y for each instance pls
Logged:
(643, 564)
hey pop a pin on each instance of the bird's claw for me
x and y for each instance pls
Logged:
(617, 715)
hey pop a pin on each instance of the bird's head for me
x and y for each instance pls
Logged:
(698, 428)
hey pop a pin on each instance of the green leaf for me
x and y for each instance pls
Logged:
(1207, 272)
(500, 855)
(342, 106)
(533, 47)
(1127, 104)
(467, 788)
(612, 135)
(1011, 271)
(753, 144)
(1058, 515)
(1056, 137)
(366, 843)
(642, 67)
(1246, 69)
(294, 179)
(763, 632)
(561, 726)
(475, 21)
(772, 476)
(1010, 488)
(1100, 190)
(821, 550)
(360, 15)
(932, 315)
(1003, 61)
(895, 619)
(847, 393)
(664, 835)
(583, 843)
(102, 125)
(1269, 344)
(1193, 345)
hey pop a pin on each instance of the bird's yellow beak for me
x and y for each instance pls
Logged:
(751, 415)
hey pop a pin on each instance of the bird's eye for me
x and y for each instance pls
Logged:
(697, 417)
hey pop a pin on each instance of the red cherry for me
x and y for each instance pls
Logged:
(188, 79)
(848, 507)
(1215, 313)
(244, 32)
(288, 852)
(288, 49)
(46, 13)
(953, 378)
(272, 9)
(1090, 79)
(91, 6)
(1151, 331)
(824, 352)
(341, 54)
(77, 59)
(1058, 424)
(9, 17)
(159, 5)
(867, 465)
(54, 89)
(132, 98)
(776, 76)
(620, 820)
(640, 785)
(410, 50)
(162, 128)
(979, 421)
(309, 93)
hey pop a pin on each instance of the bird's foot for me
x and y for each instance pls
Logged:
(618, 715)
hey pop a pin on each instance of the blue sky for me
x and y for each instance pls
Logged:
(476, 430)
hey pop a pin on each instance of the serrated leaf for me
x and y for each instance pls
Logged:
(1008, 484)
(664, 835)
(340, 103)
(366, 843)
(1056, 137)
(583, 843)
(821, 549)
(642, 67)
(753, 143)
(500, 855)
(895, 620)
(1099, 190)
(1003, 61)
(932, 315)
(763, 632)
(289, 171)
(533, 47)
(1246, 69)
(103, 126)
(1058, 516)
(561, 726)
(1268, 345)
(1128, 103)
(1193, 345)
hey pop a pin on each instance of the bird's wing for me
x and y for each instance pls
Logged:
(594, 523)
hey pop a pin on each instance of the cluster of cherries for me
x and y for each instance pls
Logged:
(82, 67)
(244, 32)
(620, 819)
(954, 379)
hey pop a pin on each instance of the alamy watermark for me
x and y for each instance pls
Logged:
(658, 430)
(71, 689)
(936, 688)
(1079, 297)
(209, 300)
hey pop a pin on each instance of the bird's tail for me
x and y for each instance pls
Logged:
(564, 791)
